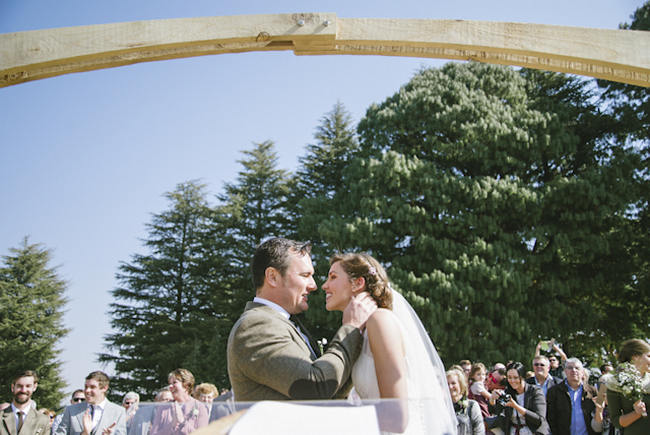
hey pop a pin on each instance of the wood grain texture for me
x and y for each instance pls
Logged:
(619, 55)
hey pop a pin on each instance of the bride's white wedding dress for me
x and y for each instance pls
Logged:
(429, 406)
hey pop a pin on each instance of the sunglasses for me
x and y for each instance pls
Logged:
(539, 365)
(78, 399)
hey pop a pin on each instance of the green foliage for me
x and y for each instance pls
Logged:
(318, 180)
(499, 200)
(252, 209)
(31, 310)
(176, 304)
(166, 302)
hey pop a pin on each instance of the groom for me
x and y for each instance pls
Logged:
(270, 356)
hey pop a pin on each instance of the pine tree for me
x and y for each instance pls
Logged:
(318, 180)
(167, 304)
(626, 308)
(253, 209)
(494, 197)
(31, 321)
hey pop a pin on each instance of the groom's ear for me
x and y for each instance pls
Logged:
(272, 275)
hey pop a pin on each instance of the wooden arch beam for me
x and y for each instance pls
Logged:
(618, 55)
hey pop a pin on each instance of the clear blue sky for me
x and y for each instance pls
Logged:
(85, 158)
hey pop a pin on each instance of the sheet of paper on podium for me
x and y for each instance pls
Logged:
(287, 418)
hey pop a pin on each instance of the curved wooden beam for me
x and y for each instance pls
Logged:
(618, 55)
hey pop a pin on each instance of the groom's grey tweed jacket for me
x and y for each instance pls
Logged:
(269, 360)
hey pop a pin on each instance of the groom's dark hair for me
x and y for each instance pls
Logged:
(275, 253)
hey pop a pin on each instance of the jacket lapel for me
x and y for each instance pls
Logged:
(29, 425)
(80, 416)
(9, 421)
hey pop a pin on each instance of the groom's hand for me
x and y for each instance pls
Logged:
(359, 309)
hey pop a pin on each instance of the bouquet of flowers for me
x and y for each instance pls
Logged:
(628, 381)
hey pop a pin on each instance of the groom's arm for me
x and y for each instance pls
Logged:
(265, 351)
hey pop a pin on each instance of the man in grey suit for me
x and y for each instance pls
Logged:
(97, 415)
(20, 418)
(270, 354)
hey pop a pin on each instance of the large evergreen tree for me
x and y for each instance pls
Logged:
(495, 197)
(627, 309)
(252, 209)
(31, 310)
(166, 308)
(318, 178)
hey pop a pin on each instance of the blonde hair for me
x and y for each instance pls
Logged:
(365, 266)
(185, 376)
(462, 381)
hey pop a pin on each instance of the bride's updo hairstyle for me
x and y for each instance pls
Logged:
(363, 265)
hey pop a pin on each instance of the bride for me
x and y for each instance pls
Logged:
(398, 360)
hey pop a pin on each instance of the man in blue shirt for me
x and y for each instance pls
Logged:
(570, 409)
(543, 378)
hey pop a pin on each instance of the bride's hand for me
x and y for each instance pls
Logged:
(359, 309)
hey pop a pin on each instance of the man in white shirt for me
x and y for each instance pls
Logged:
(20, 417)
(97, 415)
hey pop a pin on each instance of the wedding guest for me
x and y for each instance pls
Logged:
(627, 414)
(570, 405)
(466, 365)
(49, 413)
(542, 377)
(77, 397)
(19, 417)
(96, 414)
(206, 393)
(477, 389)
(606, 368)
(130, 402)
(141, 422)
(468, 413)
(526, 408)
(185, 414)
(164, 395)
(496, 379)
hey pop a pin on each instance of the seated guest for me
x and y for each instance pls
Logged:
(468, 413)
(570, 407)
(524, 404)
(185, 414)
(542, 377)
